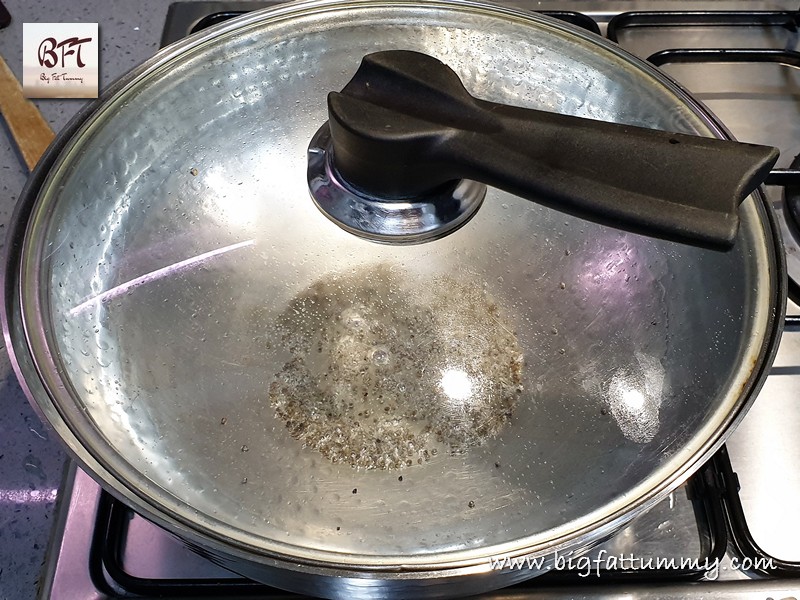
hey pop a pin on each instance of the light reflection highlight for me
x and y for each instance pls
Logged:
(27, 496)
(155, 275)
(236, 205)
(635, 395)
(633, 399)
(456, 385)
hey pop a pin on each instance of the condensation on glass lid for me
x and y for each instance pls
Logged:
(635, 396)
(388, 370)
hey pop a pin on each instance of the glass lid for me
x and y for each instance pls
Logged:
(234, 360)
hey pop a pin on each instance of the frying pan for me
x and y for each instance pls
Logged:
(345, 418)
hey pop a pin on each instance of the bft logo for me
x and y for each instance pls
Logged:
(48, 57)
(59, 60)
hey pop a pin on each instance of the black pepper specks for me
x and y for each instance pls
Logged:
(370, 352)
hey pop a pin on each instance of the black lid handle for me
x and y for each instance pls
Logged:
(405, 125)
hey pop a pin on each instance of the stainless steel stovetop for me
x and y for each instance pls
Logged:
(733, 530)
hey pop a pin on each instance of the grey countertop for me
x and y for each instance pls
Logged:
(31, 460)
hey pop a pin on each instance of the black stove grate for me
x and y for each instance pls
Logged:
(788, 20)
(110, 575)
(742, 541)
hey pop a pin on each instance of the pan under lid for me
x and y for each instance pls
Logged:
(239, 367)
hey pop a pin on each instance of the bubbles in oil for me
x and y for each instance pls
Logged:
(386, 370)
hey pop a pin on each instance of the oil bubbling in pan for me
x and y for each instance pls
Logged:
(387, 371)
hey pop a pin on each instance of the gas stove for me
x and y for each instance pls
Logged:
(731, 530)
